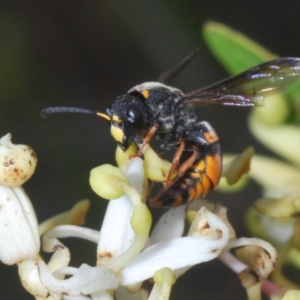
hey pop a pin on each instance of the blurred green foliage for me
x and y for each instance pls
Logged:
(237, 53)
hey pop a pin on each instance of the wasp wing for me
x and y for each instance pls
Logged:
(250, 87)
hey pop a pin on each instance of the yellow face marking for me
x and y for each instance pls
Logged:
(104, 116)
(116, 119)
(117, 133)
(145, 93)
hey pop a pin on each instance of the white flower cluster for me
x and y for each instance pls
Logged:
(127, 254)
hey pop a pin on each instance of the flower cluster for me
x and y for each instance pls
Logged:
(127, 253)
(275, 217)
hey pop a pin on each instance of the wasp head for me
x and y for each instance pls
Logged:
(128, 117)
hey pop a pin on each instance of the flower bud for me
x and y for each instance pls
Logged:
(17, 162)
(106, 181)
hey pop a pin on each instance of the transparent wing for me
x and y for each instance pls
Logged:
(250, 87)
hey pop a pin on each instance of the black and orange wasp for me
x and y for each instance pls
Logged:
(154, 109)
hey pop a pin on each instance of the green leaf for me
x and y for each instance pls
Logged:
(235, 51)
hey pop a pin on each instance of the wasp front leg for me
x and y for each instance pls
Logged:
(146, 140)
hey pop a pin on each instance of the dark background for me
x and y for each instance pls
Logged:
(85, 53)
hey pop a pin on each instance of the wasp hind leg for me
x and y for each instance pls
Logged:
(168, 197)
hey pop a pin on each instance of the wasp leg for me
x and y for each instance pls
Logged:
(175, 163)
(199, 168)
(181, 171)
(184, 166)
(147, 139)
(189, 162)
(150, 187)
(157, 202)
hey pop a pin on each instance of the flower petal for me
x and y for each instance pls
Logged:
(116, 237)
(276, 231)
(75, 216)
(19, 237)
(122, 157)
(30, 278)
(140, 222)
(116, 233)
(123, 293)
(291, 295)
(87, 280)
(278, 178)
(65, 231)
(102, 295)
(61, 257)
(105, 181)
(178, 253)
(156, 169)
(280, 208)
(237, 167)
(282, 139)
(258, 254)
(169, 226)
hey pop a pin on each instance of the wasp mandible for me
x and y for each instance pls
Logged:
(154, 109)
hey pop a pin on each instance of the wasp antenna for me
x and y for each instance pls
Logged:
(54, 110)
(167, 76)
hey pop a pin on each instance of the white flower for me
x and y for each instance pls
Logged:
(127, 254)
(121, 260)
(17, 162)
(180, 252)
(19, 237)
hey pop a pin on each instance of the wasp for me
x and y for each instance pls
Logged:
(155, 109)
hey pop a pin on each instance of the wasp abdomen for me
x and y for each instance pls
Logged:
(202, 175)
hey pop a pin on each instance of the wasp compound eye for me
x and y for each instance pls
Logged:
(108, 110)
(134, 116)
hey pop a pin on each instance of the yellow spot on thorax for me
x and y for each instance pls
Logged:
(211, 137)
(145, 93)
